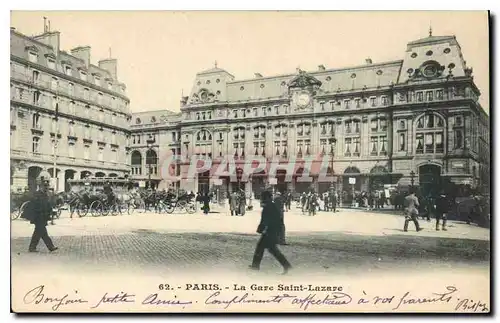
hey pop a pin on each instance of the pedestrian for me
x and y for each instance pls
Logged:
(279, 202)
(39, 212)
(205, 199)
(269, 228)
(442, 208)
(412, 211)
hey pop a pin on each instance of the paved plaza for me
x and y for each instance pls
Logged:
(345, 241)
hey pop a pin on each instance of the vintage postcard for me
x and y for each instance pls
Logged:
(221, 162)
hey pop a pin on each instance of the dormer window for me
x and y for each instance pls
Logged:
(97, 80)
(83, 75)
(33, 57)
(68, 70)
(51, 63)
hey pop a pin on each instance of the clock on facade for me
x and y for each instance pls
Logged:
(302, 100)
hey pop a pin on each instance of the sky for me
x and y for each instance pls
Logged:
(160, 52)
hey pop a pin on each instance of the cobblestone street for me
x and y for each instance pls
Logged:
(346, 241)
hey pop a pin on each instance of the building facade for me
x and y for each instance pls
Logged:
(416, 121)
(66, 113)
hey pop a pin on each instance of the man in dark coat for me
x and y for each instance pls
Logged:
(280, 205)
(269, 228)
(442, 209)
(412, 205)
(39, 213)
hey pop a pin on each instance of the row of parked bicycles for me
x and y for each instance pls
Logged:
(98, 204)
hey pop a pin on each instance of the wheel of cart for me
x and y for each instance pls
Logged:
(22, 208)
(81, 209)
(114, 209)
(190, 207)
(140, 206)
(14, 212)
(97, 208)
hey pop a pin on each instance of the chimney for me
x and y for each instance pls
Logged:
(83, 53)
(110, 65)
(51, 38)
(368, 61)
(258, 75)
(321, 67)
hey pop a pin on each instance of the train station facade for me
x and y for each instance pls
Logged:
(416, 120)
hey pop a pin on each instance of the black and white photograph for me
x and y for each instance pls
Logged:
(250, 161)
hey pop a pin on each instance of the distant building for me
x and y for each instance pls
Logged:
(380, 123)
(93, 112)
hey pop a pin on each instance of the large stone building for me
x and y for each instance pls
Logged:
(87, 135)
(416, 119)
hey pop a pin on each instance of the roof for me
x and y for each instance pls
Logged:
(213, 71)
(431, 39)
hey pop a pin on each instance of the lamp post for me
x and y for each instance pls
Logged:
(412, 178)
(333, 142)
(148, 160)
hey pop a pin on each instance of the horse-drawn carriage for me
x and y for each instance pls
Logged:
(20, 200)
(87, 196)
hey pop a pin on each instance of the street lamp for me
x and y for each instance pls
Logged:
(333, 142)
(412, 176)
(148, 160)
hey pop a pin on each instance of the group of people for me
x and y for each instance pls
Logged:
(312, 202)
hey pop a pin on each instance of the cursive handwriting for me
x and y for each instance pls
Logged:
(37, 296)
(470, 305)
(118, 298)
(215, 299)
(336, 298)
(445, 297)
(153, 299)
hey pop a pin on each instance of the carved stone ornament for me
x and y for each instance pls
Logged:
(220, 113)
(401, 96)
(163, 118)
(304, 80)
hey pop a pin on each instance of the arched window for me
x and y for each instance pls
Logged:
(151, 162)
(136, 163)
(203, 145)
(429, 134)
(259, 140)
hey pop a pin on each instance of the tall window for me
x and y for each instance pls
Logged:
(71, 150)
(373, 102)
(402, 141)
(51, 63)
(36, 121)
(347, 104)
(33, 57)
(68, 70)
(71, 89)
(100, 155)
(86, 94)
(36, 76)
(348, 149)
(430, 134)
(35, 148)
(83, 76)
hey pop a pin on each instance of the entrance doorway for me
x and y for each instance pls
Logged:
(204, 182)
(33, 173)
(68, 174)
(430, 179)
(324, 187)
(281, 184)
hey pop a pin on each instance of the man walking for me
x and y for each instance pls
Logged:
(269, 228)
(39, 212)
(411, 211)
(279, 202)
(442, 207)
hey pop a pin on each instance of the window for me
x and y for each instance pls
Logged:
(243, 113)
(420, 96)
(209, 115)
(374, 146)
(276, 110)
(86, 133)
(113, 138)
(347, 103)
(299, 148)
(86, 152)
(71, 89)
(429, 95)
(255, 112)
(383, 145)
(373, 102)
(385, 101)
(264, 111)
(68, 70)
(54, 83)
(458, 121)
(86, 94)
(71, 150)
(347, 151)
(113, 155)
(357, 127)
(332, 105)
(51, 64)
(459, 139)
(100, 155)
(402, 125)
(35, 145)
(173, 136)
(36, 76)
(356, 103)
(430, 138)
(235, 113)
(322, 106)
(36, 97)
(83, 76)
(203, 116)
(36, 121)
(402, 142)
(33, 57)
(323, 147)
(439, 94)
(87, 110)
(357, 146)
(348, 126)
(71, 129)
(97, 80)
(197, 116)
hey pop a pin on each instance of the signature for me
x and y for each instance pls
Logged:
(471, 305)
(37, 296)
(445, 297)
(117, 298)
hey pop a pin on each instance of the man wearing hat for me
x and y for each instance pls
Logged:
(269, 228)
(441, 207)
(39, 212)
(280, 204)
(412, 205)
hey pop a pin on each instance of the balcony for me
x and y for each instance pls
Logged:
(37, 129)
